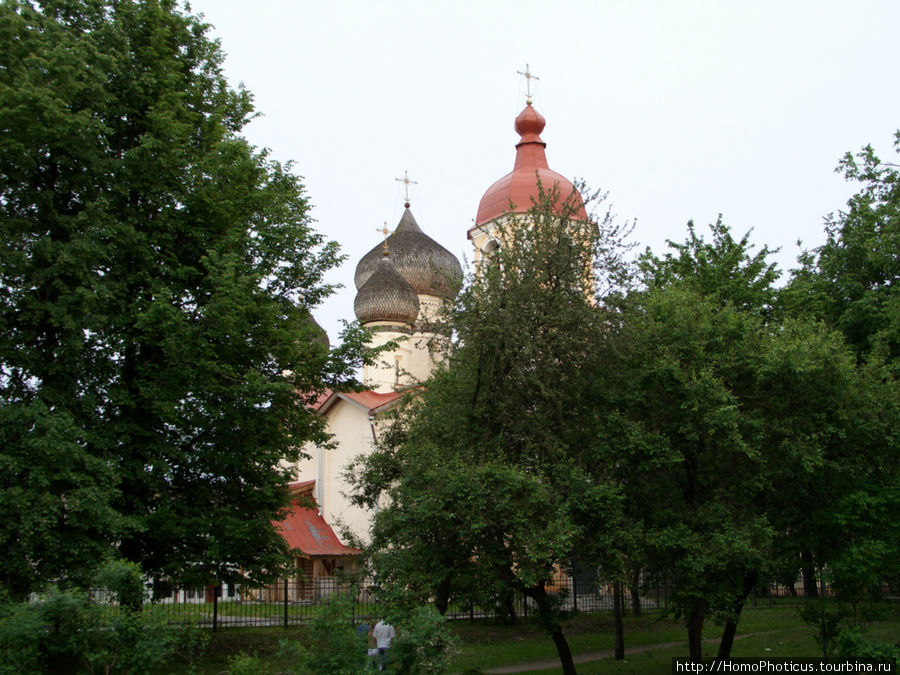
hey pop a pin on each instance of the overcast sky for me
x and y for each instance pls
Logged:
(680, 110)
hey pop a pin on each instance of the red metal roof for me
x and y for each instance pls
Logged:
(520, 186)
(370, 400)
(304, 529)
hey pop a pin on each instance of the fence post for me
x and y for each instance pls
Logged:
(215, 607)
(285, 602)
(574, 595)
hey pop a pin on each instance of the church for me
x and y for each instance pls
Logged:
(401, 284)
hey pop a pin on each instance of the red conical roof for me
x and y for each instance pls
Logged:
(520, 186)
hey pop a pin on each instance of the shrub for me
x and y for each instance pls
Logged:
(62, 632)
(849, 644)
(423, 643)
(336, 646)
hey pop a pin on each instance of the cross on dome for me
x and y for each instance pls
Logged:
(528, 78)
(406, 181)
(385, 232)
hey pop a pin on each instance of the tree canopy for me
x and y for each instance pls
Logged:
(487, 491)
(157, 275)
(852, 280)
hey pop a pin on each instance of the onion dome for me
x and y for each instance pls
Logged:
(386, 296)
(426, 265)
(520, 186)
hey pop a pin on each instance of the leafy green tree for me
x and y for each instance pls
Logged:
(686, 457)
(157, 275)
(722, 270)
(852, 281)
(728, 417)
(486, 484)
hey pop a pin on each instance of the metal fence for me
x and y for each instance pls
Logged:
(295, 602)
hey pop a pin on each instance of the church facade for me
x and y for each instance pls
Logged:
(401, 284)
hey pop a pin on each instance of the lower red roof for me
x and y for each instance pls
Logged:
(305, 530)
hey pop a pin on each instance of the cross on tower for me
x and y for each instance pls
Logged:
(406, 181)
(386, 233)
(528, 78)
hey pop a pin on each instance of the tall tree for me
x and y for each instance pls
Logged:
(157, 275)
(728, 413)
(487, 486)
(852, 281)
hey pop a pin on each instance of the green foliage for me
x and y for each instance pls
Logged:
(247, 664)
(335, 644)
(849, 644)
(845, 513)
(487, 471)
(723, 270)
(740, 432)
(851, 281)
(64, 632)
(829, 619)
(123, 580)
(158, 278)
(423, 644)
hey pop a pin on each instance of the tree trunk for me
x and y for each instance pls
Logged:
(808, 572)
(695, 633)
(731, 626)
(548, 619)
(442, 598)
(509, 602)
(618, 611)
(636, 593)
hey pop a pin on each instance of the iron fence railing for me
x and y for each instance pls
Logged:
(294, 602)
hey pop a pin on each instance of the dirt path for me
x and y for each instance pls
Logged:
(548, 664)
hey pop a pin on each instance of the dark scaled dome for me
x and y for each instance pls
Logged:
(386, 296)
(426, 265)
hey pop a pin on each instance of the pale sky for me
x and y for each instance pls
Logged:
(680, 110)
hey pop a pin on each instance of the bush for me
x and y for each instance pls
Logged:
(828, 618)
(63, 632)
(247, 664)
(122, 579)
(52, 634)
(423, 644)
(336, 646)
(849, 644)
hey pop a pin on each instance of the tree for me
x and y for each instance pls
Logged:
(157, 275)
(723, 270)
(852, 280)
(851, 284)
(727, 414)
(486, 485)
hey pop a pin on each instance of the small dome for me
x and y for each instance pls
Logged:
(520, 186)
(386, 296)
(426, 265)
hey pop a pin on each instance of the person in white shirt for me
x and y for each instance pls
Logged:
(383, 634)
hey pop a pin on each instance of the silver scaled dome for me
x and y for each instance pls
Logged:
(426, 265)
(385, 295)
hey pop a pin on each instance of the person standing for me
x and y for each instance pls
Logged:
(383, 634)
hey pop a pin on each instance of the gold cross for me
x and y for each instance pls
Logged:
(406, 181)
(386, 233)
(528, 78)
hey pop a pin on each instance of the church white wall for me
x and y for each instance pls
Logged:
(352, 435)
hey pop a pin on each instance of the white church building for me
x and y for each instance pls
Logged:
(401, 284)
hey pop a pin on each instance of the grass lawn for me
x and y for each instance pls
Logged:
(775, 632)
(769, 632)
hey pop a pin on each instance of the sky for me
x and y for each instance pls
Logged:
(679, 110)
